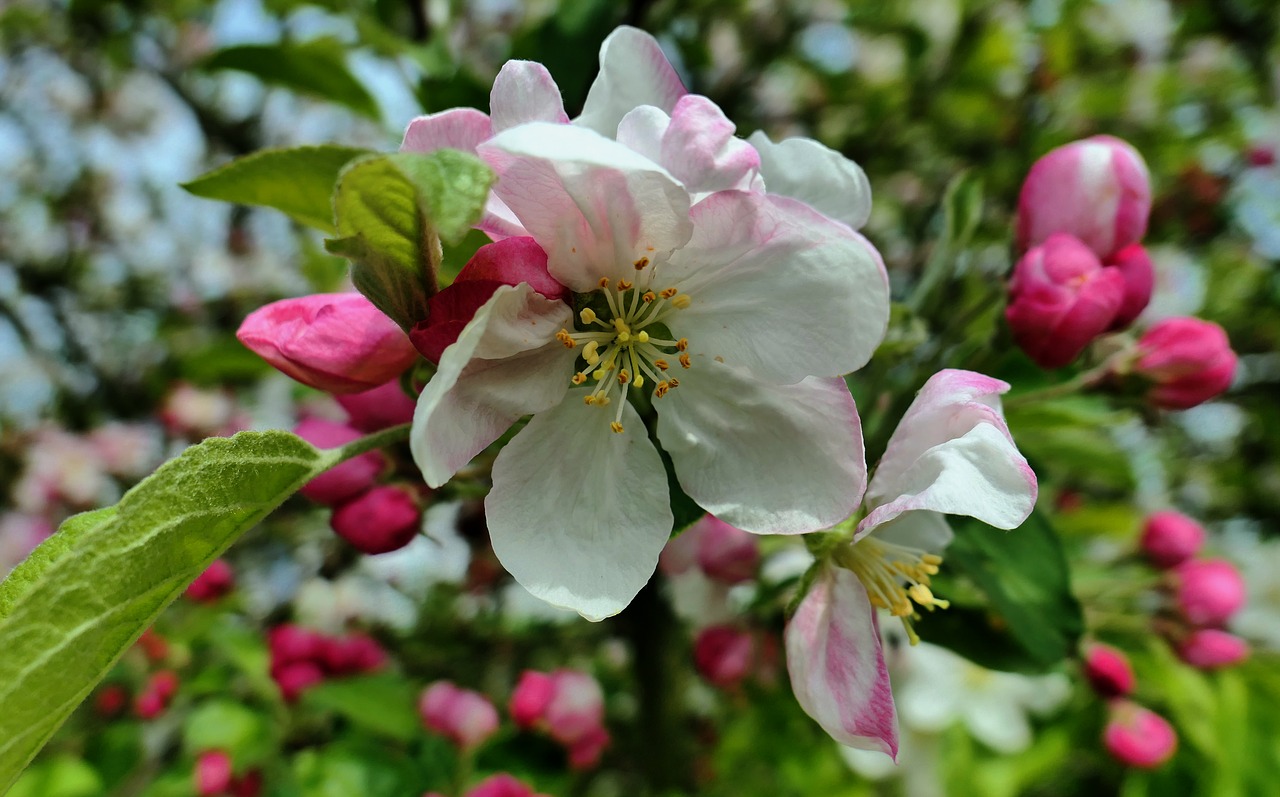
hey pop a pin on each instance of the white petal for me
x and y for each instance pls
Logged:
(836, 665)
(925, 531)
(505, 365)
(577, 513)
(999, 724)
(696, 144)
(642, 129)
(770, 459)
(952, 453)
(633, 72)
(804, 169)
(594, 205)
(524, 91)
(778, 288)
(456, 128)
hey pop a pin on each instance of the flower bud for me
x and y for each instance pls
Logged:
(1097, 189)
(576, 708)
(248, 786)
(352, 655)
(379, 520)
(1209, 591)
(724, 655)
(337, 342)
(1138, 737)
(1189, 361)
(1211, 649)
(148, 705)
(1170, 538)
(1108, 671)
(111, 700)
(382, 407)
(1061, 297)
(726, 553)
(501, 785)
(217, 580)
(154, 646)
(1134, 264)
(164, 683)
(530, 698)
(344, 481)
(585, 753)
(464, 717)
(213, 773)
(292, 643)
(296, 677)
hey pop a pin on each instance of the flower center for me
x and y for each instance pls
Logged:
(896, 578)
(628, 353)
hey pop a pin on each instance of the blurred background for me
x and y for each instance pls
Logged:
(120, 294)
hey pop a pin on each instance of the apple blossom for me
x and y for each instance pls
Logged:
(950, 454)
(465, 717)
(725, 553)
(684, 305)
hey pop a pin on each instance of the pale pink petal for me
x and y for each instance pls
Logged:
(524, 91)
(642, 130)
(730, 436)
(696, 144)
(804, 169)
(836, 665)
(456, 128)
(633, 72)
(593, 205)
(777, 288)
(504, 365)
(578, 514)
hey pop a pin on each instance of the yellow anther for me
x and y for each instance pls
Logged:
(685, 362)
(598, 374)
(624, 336)
(667, 293)
(662, 364)
(587, 315)
(921, 595)
(563, 337)
(662, 388)
(604, 282)
(589, 399)
(641, 263)
(623, 377)
(578, 378)
(623, 285)
(639, 380)
(675, 383)
(648, 296)
(681, 302)
(616, 427)
(590, 352)
(682, 344)
(621, 325)
(642, 336)
(603, 401)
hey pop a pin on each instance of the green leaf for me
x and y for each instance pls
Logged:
(298, 181)
(392, 212)
(1028, 619)
(227, 725)
(90, 591)
(316, 67)
(381, 703)
(961, 213)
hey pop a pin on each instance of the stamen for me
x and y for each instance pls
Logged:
(648, 296)
(616, 426)
(662, 364)
(896, 578)
(624, 285)
(563, 337)
(681, 302)
(642, 337)
(590, 352)
(604, 282)
(578, 378)
(667, 293)
(685, 361)
(662, 389)
(587, 315)
(682, 344)
(641, 263)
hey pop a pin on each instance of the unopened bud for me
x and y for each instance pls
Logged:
(1209, 591)
(382, 407)
(380, 520)
(344, 481)
(726, 553)
(1134, 264)
(216, 581)
(1212, 649)
(724, 655)
(1170, 538)
(1138, 737)
(1108, 671)
(213, 773)
(464, 717)
(1188, 362)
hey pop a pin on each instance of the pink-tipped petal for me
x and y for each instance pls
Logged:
(524, 91)
(456, 128)
(817, 175)
(633, 72)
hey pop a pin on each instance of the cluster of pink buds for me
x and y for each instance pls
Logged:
(500, 785)
(568, 706)
(215, 582)
(723, 553)
(726, 655)
(462, 716)
(156, 694)
(215, 777)
(302, 658)
(1135, 736)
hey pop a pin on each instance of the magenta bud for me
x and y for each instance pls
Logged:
(111, 700)
(726, 553)
(576, 708)
(1188, 361)
(216, 581)
(530, 698)
(501, 785)
(1170, 538)
(584, 754)
(213, 773)
(464, 717)
(1061, 297)
(379, 520)
(164, 683)
(1097, 190)
(352, 655)
(344, 481)
(148, 705)
(382, 407)
(1212, 649)
(1108, 671)
(1209, 591)
(1134, 264)
(296, 677)
(1138, 737)
(248, 786)
(291, 643)
(337, 342)
(724, 655)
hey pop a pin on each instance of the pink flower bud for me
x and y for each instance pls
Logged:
(344, 481)
(337, 342)
(111, 700)
(352, 655)
(727, 553)
(1209, 591)
(531, 697)
(724, 655)
(382, 407)
(164, 683)
(1211, 649)
(576, 708)
(379, 520)
(148, 705)
(1138, 737)
(296, 677)
(501, 785)
(1134, 264)
(464, 717)
(217, 580)
(1189, 361)
(248, 786)
(1108, 671)
(1061, 297)
(1170, 538)
(213, 773)
(585, 753)
(154, 646)
(1097, 189)
(291, 643)
(506, 262)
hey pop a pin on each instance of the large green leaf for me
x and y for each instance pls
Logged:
(316, 67)
(385, 704)
(72, 608)
(392, 212)
(298, 181)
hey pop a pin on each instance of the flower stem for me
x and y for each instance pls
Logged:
(381, 439)
(1076, 384)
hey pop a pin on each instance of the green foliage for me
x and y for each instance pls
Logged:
(384, 704)
(316, 67)
(392, 213)
(298, 181)
(228, 726)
